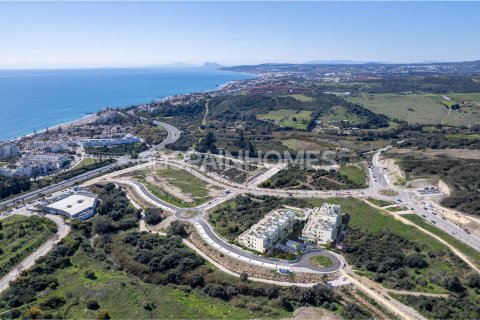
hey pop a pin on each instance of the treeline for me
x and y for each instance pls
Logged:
(429, 84)
(118, 150)
(10, 186)
(295, 177)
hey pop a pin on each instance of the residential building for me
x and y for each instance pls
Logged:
(271, 228)
(323, 224)
(8, 150)
(127, 139)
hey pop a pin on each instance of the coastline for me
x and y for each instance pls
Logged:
(92, 117)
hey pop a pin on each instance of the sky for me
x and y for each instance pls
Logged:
(123, 34)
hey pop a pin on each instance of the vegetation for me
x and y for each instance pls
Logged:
(20, 236)
(154, 216)
(473, 254)
(118, 150)
(412, 108)
(295, 177)
(124, 273)
(462, 175)
(192, 190)
(234, 217)
(321, 261)
(355, 173)
(296, 119)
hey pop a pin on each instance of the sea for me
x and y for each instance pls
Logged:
(36, 99)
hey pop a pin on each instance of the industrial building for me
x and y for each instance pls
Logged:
(79, 205)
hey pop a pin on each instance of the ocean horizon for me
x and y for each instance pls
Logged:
(36, 99)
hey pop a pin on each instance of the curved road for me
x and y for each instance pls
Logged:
(207, 233)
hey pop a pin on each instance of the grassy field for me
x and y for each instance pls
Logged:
(86, 162)
(299, 145)
(339, 113)
(288, 118)
(185, 181)
(126, 297)
(20, 236)
(473, 254)
(354, 173)
(321, 261)
(302, 97)
(413, 108)
(380, 203)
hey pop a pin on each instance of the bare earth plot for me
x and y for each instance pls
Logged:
(177, 186)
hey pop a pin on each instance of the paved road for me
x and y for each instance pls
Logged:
(62, 232)
(207, 233)
(415, 202)
(63, 184)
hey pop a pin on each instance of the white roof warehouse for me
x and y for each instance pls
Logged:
(79, 206)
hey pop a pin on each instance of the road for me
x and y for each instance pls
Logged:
(207, 233)
(173, 134)
(62, 232)
(417, 205)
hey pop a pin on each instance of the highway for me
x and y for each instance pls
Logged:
(409, 199)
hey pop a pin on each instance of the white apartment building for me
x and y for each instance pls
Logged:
(323, 223)
(8, 150)
(271, 228)
(128, 139)
(46, 145)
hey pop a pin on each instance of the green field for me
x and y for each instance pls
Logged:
(424, 108)
(127, 297)
(296, 119)
(339, 113)
(413, 108)
(354, 173)
(20, 236)
(473, 254)
(321, 261)
(86, 162)
(185, 181)
(302, 97)
(379, 203)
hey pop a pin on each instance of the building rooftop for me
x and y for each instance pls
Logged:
(74, 204)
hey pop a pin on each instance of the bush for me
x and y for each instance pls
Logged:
(92, 305)
(153, 216)
(177, 228)
(102, 315)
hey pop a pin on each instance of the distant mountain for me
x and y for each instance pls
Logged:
(211, 65)
(346, 62)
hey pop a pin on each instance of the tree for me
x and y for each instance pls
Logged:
(153, 216)
(177, 228)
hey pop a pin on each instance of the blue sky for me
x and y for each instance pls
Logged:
(107, 34)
